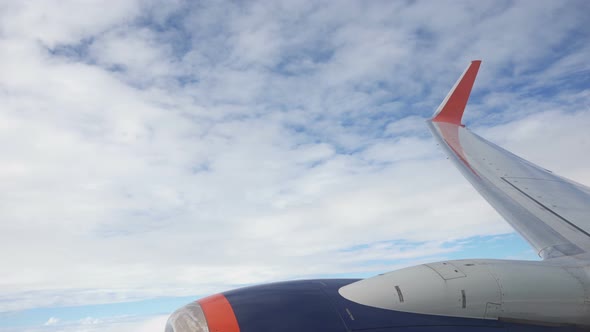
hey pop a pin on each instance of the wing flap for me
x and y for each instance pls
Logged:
(564, 200)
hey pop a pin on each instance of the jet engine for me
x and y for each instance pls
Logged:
(517, 291)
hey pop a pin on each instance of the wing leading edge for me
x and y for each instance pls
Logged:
(550, 212)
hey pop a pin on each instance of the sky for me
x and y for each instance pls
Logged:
(154, 152)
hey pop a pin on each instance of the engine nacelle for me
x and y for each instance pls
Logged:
(491, 289)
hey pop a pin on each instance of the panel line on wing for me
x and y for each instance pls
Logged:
(546, 207)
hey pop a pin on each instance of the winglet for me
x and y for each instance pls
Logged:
(452, 108)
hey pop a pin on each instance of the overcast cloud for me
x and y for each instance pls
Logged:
(185, 147)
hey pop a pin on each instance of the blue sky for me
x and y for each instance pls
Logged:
(157, 151)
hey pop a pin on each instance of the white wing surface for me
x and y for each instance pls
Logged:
(550, 212)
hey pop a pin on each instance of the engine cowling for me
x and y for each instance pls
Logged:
(522, 291)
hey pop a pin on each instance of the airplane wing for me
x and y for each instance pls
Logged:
(552, 213)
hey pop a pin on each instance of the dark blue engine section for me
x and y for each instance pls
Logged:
(316, 306)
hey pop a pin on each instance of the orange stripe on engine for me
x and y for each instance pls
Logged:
(219, 314)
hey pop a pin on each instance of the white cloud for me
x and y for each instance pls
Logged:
(89, 321)
(153, 150)
(117, 324)
(52, 321)
(54, 22)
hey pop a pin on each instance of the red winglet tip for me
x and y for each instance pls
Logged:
(452, 108)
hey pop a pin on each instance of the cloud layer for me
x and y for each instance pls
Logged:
(177, 148)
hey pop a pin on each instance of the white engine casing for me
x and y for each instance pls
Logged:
(524, 291)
